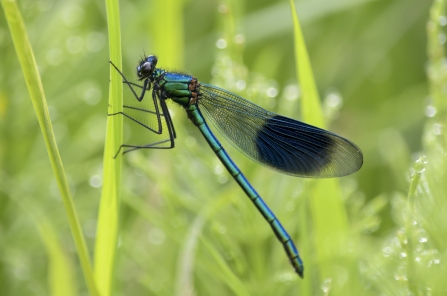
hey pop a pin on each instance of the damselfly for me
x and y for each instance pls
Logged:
(277, 142)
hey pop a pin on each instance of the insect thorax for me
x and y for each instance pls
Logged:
(181, 88)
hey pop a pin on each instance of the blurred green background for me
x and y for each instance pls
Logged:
(186, 228)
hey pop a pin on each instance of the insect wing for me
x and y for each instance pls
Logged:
(277, 142)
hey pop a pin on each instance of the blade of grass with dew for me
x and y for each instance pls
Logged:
(431, 203)
(412, 268)
(108, 217)
(435, 134)
(436, 54)
(26, 58)
(328, 213)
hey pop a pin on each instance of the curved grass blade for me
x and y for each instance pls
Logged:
(35, 88)
(328, 214)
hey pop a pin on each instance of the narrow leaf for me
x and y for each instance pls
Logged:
(35, 88)
(328, 215)
(108, 218)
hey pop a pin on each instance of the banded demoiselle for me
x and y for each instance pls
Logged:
(277, 142)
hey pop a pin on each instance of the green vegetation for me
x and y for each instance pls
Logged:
(181, 225)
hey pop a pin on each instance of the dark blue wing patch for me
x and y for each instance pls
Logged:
(282, 144)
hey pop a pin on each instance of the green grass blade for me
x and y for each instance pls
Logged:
(328, 214)
(418, 167)
(35, 88)
(61, 279)
(310, 103)
(60, 271)
(436, 54)
(108, 220)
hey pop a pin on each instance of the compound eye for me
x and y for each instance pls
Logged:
(147, 67)
(144, 70)
(152, 59)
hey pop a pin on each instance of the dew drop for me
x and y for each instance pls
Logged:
(223, 8)
(326, 285)
(422, 239)
(74, 44)
(437, 129)
(430, 111)
(73, 15)
(239, 38)
(419, 167)
(95, 181)
(222, 179)
(218, 169)
(386, 251)
(441, 38)
(95, 41)
(241, 84)
(334, 100)
(291, 92)
(221, 43)
(272, 92)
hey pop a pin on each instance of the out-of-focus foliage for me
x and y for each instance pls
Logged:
(185, 226)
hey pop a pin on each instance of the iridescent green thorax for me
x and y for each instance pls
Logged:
(158, 74)
(181, 88)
